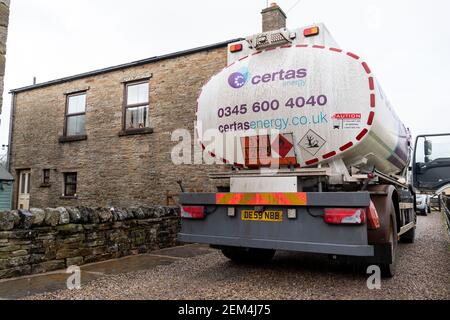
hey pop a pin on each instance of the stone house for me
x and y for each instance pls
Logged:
(103, 138)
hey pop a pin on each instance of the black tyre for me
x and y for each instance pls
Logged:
(248, 255)
(388, 269)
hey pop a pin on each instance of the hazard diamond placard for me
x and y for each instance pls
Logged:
(283, 148)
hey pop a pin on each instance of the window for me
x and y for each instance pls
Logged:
(46, 176)
(75, 115)
(70, 184)
(136, 106)
(25, 183)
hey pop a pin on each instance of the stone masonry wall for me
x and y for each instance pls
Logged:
(38, 241)
(274, 18)
(4, 21)
(114, 170)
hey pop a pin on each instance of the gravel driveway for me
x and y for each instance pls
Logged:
(423, 273)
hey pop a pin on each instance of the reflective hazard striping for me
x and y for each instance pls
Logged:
(262, 199)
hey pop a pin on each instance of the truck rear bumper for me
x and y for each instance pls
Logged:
(321, 248)
(306, 232)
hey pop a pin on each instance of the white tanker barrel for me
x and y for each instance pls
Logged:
(323, 103)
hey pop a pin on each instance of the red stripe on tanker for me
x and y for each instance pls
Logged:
(323, 98)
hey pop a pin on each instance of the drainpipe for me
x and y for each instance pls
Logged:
(11, 127)
(10, 139)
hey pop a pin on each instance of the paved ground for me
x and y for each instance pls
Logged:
(197, 272)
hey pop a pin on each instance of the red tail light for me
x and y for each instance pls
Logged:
(373, 221)
(193, 212)
(345, 216)
(310, 32)
(236, 48)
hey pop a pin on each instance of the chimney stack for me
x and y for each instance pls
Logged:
(273, 18)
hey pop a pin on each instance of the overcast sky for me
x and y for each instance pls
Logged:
(406, 43)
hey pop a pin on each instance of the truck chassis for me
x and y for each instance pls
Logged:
(303, 228)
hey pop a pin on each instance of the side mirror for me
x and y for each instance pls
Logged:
(428, 148)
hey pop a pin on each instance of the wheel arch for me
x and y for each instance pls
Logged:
(383, 196)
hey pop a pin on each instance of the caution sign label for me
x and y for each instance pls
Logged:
(347, 121)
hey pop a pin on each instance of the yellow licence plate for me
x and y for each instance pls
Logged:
(266, 216)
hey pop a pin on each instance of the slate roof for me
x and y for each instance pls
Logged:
(5, 175)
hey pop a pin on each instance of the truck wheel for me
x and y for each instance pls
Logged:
(388, 269)
(248, 255)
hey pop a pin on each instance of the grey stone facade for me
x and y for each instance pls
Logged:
(113, 169)
(274, 18)
(4, 21)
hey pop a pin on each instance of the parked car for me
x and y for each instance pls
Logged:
(423, 204)
(435, 202)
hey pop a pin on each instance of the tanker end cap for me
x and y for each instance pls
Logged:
(287, 91)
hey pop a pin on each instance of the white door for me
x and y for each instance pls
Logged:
(24, 190)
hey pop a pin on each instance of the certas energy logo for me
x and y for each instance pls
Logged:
(239, 79)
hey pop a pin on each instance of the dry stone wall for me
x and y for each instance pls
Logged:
(43, 240)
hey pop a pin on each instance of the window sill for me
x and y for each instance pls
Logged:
(45, 185)
(64, 139)
(68, 198)
(134, 132)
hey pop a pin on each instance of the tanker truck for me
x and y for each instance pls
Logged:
(313, 155)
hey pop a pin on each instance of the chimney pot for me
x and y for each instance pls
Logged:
(273, 18)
